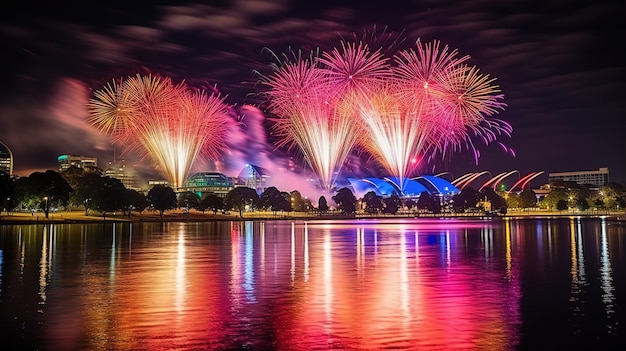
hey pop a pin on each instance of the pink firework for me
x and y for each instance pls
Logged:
(169, 123)
(354, 71)
(427, 102)
(311, 115)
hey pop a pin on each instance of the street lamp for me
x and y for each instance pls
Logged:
(45, 209)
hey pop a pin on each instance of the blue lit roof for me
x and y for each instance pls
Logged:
(409, 186)
(440, 185)
(433, 185)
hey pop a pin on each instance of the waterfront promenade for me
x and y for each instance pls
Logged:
(79, 216)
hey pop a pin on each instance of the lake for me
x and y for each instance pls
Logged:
(401, 284)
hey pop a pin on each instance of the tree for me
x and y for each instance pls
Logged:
(240, 197)
(188, 199)
(512, 200)
(497, 201)
(299, 203)
(275, 200)
(561, 205)
(134, 200)
(322, 206)
(373, 202)
(43, 190)
(392, 204)
(467, 199)
(553, 198)
(162, 198)
(345, 200)
(285, 203)
(528, 199)
(108, 196)
(429, 203)
(410, 204)
(85, 190)
(213, 202)
(582, 204)
(7, 199)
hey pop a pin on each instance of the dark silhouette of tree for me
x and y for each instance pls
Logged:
(392, 204)
(373, 202)
(582, 204)
(410, 204)
(429, 203)
(275, 200)
(134, 201)
(285, 203)
(7, 198)
(162, 198)
(85, 190)
(240, 197)
(561, 205)
(345, 200)
(528, 199)
(212, 202)
(188, 199)
(467, 199)
(322, 206)
(108, 196)
(497, 201)
(43, 190)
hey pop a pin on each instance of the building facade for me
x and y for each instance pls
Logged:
(85, 163)
(597, 178)
(204, 183)
(252, 176)
(127, 175)
(6, 160)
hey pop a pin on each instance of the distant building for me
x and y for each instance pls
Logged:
(6, 160)
(205, 183)
(252, 176)
(152, 183)
(597, 178)
(83, 162)
(127, 175)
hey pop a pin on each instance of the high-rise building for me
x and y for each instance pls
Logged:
(126, 174)
(6, 160)
(83, 162)
(597, 178)
(252, 176)
(208, 183)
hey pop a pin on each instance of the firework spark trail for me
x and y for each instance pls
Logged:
(169, 123)
(396, 135)
(426, 102)
(312, 116)
(355, 71)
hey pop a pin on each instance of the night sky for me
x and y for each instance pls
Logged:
(560, 65)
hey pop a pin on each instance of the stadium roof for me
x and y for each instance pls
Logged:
(408, 187)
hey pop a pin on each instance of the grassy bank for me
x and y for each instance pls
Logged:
(197, 216)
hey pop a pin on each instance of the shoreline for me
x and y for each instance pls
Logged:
(78, 217)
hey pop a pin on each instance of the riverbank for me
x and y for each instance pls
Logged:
(197, 216)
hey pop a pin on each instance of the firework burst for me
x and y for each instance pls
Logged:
(310, 116)
(425, 102)
(169, 123)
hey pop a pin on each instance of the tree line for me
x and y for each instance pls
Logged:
(100, 194)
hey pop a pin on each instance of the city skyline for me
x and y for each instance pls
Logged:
(557, 66)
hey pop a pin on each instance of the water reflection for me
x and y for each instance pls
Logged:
(429, 284)
(606, 277)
